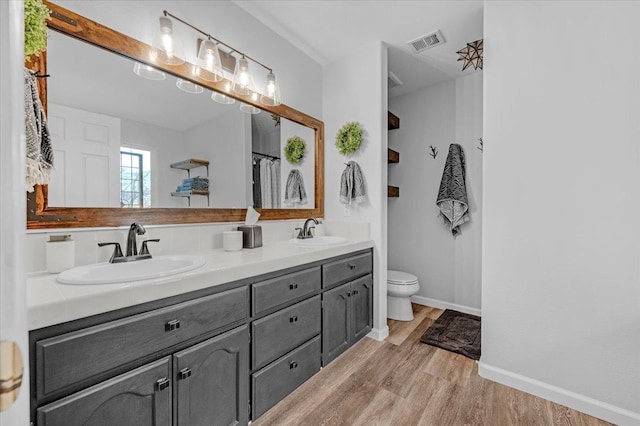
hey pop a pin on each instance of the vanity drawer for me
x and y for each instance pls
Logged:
(278, 333)
(277, 380)
(347, 269)
(79, 355)
(280, 290)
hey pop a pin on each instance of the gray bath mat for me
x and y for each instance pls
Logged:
(456, 332)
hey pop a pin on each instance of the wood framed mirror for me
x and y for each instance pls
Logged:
(42, 215)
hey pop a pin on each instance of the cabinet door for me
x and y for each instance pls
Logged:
(361, 307)
(336, 324)
(212, 380)
(137, 398)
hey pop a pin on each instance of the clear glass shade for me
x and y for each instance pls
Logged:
(150, 73)
(189, 87)
(271, 92)
(249, 109)
(208, 62)
(242, 79)
(223, 98)
(167, 48)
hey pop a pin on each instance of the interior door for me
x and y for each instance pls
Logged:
(87, 158)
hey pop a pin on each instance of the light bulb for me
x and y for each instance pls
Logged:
(271, 92)
(166, 47)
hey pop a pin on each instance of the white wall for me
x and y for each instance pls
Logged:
(560, 268)
(355, 89)
(448, 268)
(13, 314)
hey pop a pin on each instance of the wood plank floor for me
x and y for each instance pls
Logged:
(404, 382)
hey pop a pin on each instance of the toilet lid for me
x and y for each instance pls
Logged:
(399, 277)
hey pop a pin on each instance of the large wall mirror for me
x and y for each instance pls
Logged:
(125, 145)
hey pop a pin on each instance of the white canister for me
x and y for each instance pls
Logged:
(61, 253)
(232, 240)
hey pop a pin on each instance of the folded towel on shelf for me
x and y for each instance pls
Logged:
(452, 196)
(352, 188)
(197, 184)
(294, 191)
(38, 138)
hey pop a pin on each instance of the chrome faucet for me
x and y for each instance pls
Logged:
(305, 232)
(132, 246)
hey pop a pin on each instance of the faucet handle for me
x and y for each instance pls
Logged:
(117, 252)
(145, 249)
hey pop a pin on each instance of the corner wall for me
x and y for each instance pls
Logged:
(355, 89)
(560, 269)
(448, 268)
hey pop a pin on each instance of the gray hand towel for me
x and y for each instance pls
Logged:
(39, 150)
(295, 192)
(352, 187)
(452, 196)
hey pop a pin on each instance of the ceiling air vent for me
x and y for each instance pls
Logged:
(426, 42)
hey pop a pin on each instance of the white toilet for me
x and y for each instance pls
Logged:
(400, 287)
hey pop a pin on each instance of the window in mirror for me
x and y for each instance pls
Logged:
(135, 178)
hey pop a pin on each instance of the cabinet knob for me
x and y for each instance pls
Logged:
(352, 266)
(172, 325)
(185, 373)
(293, 318)
(292, 365)
(355, 291)
(162, 383)
(293, 286)
(349, 294)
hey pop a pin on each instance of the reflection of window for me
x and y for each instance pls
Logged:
(135, 178)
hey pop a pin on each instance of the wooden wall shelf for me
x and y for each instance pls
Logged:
(393, 191)
(394, 156)
(394, 121)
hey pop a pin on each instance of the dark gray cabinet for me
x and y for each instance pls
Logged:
(138, 398)
(212, 381)
(347, 316)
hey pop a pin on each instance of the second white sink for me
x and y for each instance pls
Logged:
(111, 273)
(317, 241)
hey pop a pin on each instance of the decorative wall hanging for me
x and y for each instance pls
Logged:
(349, 138)
(481, 147)
(434, 151)
(472, 54)
(35, 27)
(294, 149)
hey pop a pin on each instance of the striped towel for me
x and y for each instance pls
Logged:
(295, 192)
(38, 139)
(352, 188)
(452, 196)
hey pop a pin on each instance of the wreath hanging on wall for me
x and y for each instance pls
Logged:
(35, 27)
(294, 149)
(349, 138)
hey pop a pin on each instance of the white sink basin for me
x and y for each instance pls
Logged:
(111, 273)
(317, 241)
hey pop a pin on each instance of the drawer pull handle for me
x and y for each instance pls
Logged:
(293, 286)
(185, 373)
(162, 383)
(293, 318)
(352, 266)
(293, 365)
(172, 325)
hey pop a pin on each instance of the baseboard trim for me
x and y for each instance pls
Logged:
(379, 334)
(434, 303)
(585, 404)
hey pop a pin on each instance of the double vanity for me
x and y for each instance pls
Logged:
(217, 345)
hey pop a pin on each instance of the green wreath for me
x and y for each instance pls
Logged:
(294, 150)
(35, 27)
(349, 138)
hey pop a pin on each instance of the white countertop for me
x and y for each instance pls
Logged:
(50, 302)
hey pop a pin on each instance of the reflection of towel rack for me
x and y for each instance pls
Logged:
(261, 155)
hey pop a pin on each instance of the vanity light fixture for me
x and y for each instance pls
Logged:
(209, 66)
(148, 72)
(166, 47)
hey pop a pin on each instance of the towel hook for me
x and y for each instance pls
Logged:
(434, 151)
